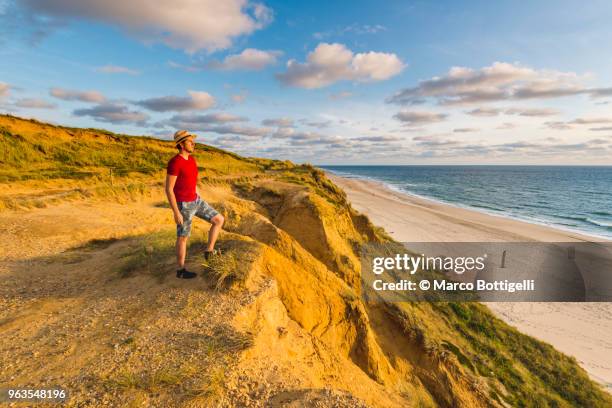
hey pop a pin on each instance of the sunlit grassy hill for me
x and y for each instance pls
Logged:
(33, 150)
(88, 299)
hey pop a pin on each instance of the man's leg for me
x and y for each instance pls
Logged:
(181, 251)
(216, 224)
(182, 235)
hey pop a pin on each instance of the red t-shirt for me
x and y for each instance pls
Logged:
(186, 171)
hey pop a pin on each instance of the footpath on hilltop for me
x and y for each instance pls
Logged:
(88, 298)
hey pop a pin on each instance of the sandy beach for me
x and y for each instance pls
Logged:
(582, 330)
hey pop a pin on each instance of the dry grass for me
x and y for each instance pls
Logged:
(211, 392)
(151, 254)
(233, 266)
(27, 153)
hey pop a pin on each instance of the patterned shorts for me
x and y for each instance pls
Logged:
(188, 209)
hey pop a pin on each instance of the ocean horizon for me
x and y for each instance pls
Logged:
(571, 198)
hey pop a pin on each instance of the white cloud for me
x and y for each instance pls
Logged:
(248, 60)
(34, 103)
(376, 66)
(578, 122)
(439, 146)
(412, 118)
(484, 112)
(216, 118)
(589, 121)
(529, 112)
(113, 113)
(330, 63)
(497, 82)
(116, 69)
(279, 122)
(197, 100)
(236, 142)
(434, 141)
(600, 92)
(184, 24)
(248, 131)
(385, 138)
(316, 123)
(465, 130)
(220, 123)
(73, 95)
(557, 125)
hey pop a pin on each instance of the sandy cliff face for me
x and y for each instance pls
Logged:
(87, 285)
(311, 253)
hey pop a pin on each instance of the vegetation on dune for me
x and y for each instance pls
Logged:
(234, 265)
(293, 224)
(533, 372)
(33, 151)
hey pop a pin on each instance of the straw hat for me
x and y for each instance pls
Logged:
(181, 135)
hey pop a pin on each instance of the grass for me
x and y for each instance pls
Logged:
(533, 372)
(315, 179)
(233, 266)
(66, 153)
(150, 254)
(162, 378)
(211, 391)
(125, 379)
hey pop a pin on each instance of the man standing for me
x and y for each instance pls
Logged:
(185, 202)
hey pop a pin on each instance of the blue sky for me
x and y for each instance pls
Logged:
(452, 82)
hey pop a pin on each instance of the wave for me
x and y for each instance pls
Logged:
(573, 218)
(600, 223)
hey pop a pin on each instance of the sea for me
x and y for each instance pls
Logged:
(573, 198)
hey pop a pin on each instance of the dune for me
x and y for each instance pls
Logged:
(88, 300)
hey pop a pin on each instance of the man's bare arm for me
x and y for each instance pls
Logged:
(170, 182)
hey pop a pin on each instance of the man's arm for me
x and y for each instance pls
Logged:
(170, 182)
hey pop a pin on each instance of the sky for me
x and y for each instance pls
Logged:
(359, 82)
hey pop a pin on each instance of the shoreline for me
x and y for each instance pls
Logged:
(470, 223)
(573, 328)
(585, 236)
